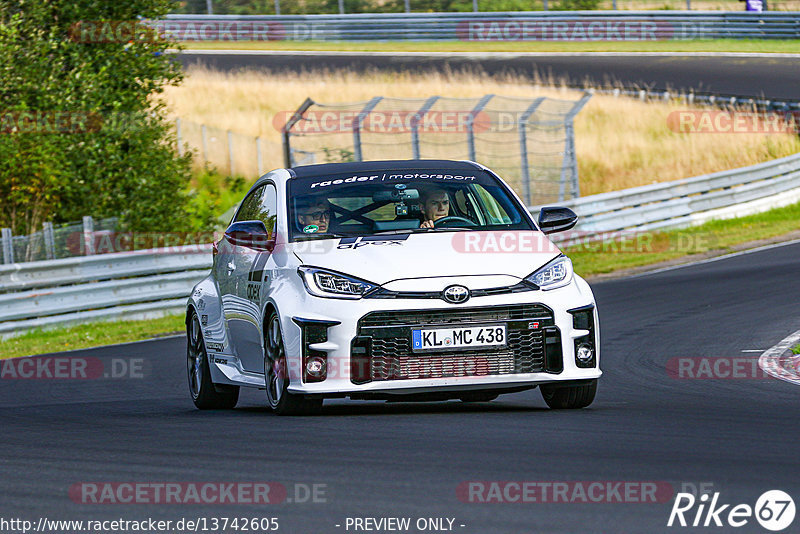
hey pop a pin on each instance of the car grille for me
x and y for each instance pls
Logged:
(382, 349)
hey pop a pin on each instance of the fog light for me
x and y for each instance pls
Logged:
(315, 366)
(584, 353)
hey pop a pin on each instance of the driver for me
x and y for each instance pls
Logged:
(313, 215)
(434, 204)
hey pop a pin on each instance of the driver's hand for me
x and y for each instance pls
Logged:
(427, 224)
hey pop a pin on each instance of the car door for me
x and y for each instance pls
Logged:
(250, 281)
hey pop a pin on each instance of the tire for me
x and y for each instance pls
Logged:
(569, 398)
(276, 376)
(205, 394)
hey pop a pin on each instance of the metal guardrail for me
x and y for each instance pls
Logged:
(487, 26)
(140, 284)
(687, 201)
(156, 282)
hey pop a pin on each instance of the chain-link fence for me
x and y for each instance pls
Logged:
(529, 142)
(54, 241)
(230, 152)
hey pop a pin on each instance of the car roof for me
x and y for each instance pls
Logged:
(324, 169)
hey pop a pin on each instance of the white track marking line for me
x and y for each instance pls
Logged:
(753, 350)
(715, 258)
(774, 364)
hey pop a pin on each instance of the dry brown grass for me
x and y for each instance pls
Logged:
(620, 142)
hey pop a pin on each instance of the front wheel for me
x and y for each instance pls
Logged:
(569, 397)
(276, 376)
(205, 394)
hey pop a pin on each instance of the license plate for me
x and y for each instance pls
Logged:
(429, 339)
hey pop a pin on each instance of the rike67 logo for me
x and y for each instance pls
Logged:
(774, 510)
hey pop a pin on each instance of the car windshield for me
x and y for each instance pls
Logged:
(400, 201)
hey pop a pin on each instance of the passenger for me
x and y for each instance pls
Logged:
(313, 215)
(434, 204)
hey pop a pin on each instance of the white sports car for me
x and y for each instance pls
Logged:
(395, 280)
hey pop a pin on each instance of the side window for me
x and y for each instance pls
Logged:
(268, 208)
(250, 206)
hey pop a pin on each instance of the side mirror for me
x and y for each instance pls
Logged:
(552, 220)
(250, 234)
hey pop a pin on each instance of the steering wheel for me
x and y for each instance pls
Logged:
(453, 218)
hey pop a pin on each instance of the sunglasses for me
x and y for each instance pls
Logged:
(317, 215)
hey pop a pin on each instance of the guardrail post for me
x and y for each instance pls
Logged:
(470, 123)
(179, 136)
(523, 148)
(357, 126)
(8, 245)
(570, 159)
(415, 124)
(49, 240)
(259, 161)
(230, 153)
(277, 7)
(88, 236)
(204, 135)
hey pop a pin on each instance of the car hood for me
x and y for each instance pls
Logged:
(385, 258)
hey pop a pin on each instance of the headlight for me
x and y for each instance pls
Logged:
(557, 273)
(322, 283)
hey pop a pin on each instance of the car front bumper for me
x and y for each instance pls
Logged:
(366, 343)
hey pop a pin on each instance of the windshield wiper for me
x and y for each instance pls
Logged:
(422, 230)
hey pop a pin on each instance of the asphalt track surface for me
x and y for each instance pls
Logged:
(380, 460)
(776, 78)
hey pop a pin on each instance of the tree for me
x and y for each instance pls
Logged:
(82, 129)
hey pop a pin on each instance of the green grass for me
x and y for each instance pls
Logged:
(653, 247)
(590, 259)
(700, 45)
(89, 335)
(796, 349)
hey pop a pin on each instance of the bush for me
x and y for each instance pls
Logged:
(122, 163)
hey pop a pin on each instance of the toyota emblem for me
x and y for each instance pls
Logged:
(456, 294)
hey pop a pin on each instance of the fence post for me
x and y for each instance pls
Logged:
(230, 153)
(357, 127)
(88, 236)
(277, 7)
(179, 136)
(288, 160)
(471, 122)
(523, 149)
(570, 159)
(8, 245)
(259, 160)
(204, 135)
(415, 124)
(49, 241)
